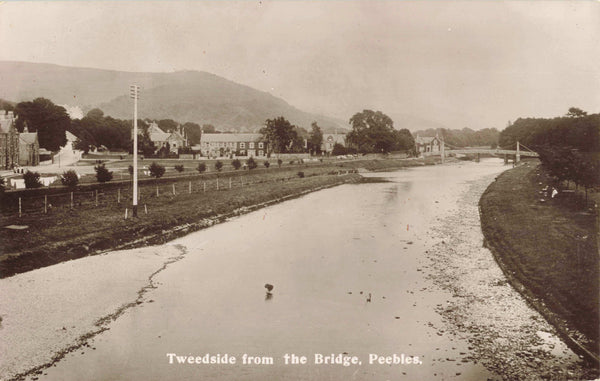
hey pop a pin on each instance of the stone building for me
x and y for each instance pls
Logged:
(9, 140)
(29, 148)
(221, 145)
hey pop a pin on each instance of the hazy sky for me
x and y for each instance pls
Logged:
(465, 64)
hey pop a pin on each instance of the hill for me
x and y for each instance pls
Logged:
(185, 96)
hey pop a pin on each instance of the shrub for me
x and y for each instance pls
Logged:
(156, 170)
(102, 174)
(267, 164)
(201, 167)
(300, 174)
(236, 164)
(218, 165)
(69, 178)
(292, 161)
(279, 162)
(130, 169)
(179, 168)
(338, 149)
(32, 180)
(251, 163)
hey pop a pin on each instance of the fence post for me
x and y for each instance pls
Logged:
(230, 183)
(71, 200)
(156, 190)
(204, 186)
(125, 213)
(217, 183)
(173, 189)
(242, 180)
(19, 207)
(190, 187)
(119, 196)
(145, 209)
(96, 197)
(45, 203)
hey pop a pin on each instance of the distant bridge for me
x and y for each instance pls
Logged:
(492, 152)
(443, 152)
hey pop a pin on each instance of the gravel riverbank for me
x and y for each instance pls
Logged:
(524, 347)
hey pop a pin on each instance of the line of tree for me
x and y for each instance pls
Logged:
(569, 145)
(576, 129)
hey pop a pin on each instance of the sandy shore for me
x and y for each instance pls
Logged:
(523, 347)
(51, 311)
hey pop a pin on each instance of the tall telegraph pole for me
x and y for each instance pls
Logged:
(134, 92)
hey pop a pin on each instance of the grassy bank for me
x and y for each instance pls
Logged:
(93, 225)
(548, 249)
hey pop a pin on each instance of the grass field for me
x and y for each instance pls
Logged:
(549, 246)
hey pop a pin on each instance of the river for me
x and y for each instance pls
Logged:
(354, 273)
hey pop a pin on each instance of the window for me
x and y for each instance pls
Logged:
(242, 152)
(242, 145)
(251, 145)
(261, 145)
(261, 152)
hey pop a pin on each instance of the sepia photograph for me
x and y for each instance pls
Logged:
(299, 190)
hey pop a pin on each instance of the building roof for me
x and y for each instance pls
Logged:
(28, 137)
(334, 138)
(70, 136)
(156, 134)
(218, 138)
(424, 139)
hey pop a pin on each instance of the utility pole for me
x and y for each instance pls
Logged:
(134, 92)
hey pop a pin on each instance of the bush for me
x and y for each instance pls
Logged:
(218, 165)
(267, 164)
(292, 161)
(179, 168)
(32, 180)
(69, 178)
(338, 149)
(201, 167)
(251, 163)
(156, 170)
(236, 164)
(300, 174)
(130, 169)
(102, 174)
(279, 162)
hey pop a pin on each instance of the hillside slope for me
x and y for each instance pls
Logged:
(186, 96)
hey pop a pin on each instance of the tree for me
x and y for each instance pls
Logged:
(32, 180)
(168, 125)
(47, 119)
(193, 133)
(404, 140)
(102, 173)
(575, 112)
(156, 170)
(201, 167)
(251, 163)
(236, 164)
(338, 149)
(279, 134)
(267, 164)
(218, 166)
(208, 129)
(372, 131)
(179, 168)
(315, 138)
(69, 179)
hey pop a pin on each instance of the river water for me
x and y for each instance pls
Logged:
(348, 266)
